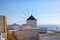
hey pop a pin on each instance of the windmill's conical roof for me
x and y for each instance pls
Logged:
(31, 18)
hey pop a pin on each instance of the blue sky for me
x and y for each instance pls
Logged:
(47, 12)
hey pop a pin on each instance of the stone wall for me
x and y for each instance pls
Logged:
(28, 34)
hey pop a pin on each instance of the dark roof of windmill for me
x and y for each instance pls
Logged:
(31, 18)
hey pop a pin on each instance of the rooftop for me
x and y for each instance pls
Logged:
(31, 18)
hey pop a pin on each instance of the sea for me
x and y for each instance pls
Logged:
(50, 27)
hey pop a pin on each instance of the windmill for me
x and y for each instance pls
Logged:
(26, 15)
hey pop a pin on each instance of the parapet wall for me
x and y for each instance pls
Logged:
(28, 34)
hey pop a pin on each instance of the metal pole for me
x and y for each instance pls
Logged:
(5, 27)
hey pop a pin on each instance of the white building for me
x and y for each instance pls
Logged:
(2, 36)
(30, 29)
(31, 22)
(13, 27)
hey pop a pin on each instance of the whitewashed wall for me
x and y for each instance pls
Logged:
(14, 27)
(52, 38)
(32, 23)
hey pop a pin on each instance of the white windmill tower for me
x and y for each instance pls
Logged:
(32, 21)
